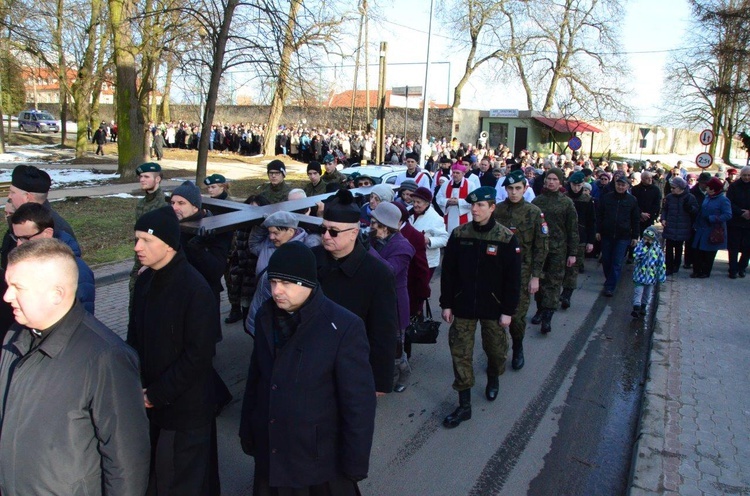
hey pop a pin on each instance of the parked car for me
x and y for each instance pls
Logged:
(37, 121)
(378, 173)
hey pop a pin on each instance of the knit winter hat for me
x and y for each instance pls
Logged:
(650, 233)
(715, 184)
(161, 223)
(276, 166)
(423, 194)
(387, 214)
(558, 172)
(409, 184)
(314, 166)
(678, 182)
(383, 191)
(189, 191)
(294, 262)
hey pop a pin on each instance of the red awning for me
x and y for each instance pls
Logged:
(568, 125)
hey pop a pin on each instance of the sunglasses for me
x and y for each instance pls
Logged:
(334, 232)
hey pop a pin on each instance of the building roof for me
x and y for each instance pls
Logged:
(344, 99)
(568, 125)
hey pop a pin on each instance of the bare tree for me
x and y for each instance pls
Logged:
(710, 87)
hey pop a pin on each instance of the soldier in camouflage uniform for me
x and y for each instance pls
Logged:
(480, 281)
(562, 223)
(586, 234)
(276, 189)
(332, 174)
(150, 176)
(526, 222)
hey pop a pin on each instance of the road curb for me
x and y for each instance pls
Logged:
(107, 279)
(650, 450)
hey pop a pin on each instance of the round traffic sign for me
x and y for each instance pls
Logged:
(704, 160)
(575, 143)
(707, 137)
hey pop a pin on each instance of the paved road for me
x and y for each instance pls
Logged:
(569, 392)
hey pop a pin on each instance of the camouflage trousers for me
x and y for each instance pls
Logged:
(570, 281)
(548, 295)
(517, 326)
(461, 341)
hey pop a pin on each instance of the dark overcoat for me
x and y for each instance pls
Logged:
(364, 285)
(308, 414)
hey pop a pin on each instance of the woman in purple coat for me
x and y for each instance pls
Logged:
(397, 252)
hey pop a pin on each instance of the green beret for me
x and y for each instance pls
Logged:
(485, 193)
(514, 177)
(147, 167)
(558, 172)
(215, 179)
(576, 178)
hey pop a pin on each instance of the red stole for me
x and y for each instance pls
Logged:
(463, 192)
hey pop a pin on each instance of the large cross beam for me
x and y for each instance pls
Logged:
(230, 215)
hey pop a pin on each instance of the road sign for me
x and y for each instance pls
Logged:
(643, 143)
(704, 160)
(575, 143)
(407, 90)
(707, 137)
(644, 131)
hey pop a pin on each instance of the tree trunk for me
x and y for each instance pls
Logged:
(62, 72)
(217, 69)
(279, 96)
(130, 125)
(163, 114)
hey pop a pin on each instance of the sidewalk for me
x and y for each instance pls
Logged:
(695, 423)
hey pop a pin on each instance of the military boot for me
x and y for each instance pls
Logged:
(518, 361)
(463, 412)
(493, 387)
(565, 298)
(537, 318)
(547, 321)
(235, 315)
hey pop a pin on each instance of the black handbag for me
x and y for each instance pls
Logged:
(716, 236)
(423, 330)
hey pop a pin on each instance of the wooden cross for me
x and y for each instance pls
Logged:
(231, 215)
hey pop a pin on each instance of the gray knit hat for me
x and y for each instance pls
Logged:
(383, 191)
(281, 219)
(409, 185)
(387, 214)
(189, 191)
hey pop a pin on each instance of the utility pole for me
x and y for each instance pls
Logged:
(356, 67)
(425, 100)
(367, 65)
(380, 142)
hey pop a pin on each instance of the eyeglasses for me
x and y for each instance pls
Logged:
(334, 232)
(23, 238)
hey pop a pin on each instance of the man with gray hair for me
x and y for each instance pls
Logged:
(73, 419)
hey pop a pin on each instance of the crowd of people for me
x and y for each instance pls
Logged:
(329, 306)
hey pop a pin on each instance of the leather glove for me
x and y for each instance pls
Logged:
(206, 233)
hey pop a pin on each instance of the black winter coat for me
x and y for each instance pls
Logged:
(649, 201)
(739, 196)
(309, 407)
(208, 254)
(618, 216)
(679, 213)
(365, 286)
(586, 213)
(481, 275)
(173, 326)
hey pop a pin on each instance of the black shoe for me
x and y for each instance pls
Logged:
(704, 276)
(581, 269)
(636, 312)
(643, 310)
(537, 318)
(733, 276)
(399, 388)
(518, 360)
(608, 293)
(547, 321)
(668, 272)
(565, 298)
(460, 414)
(694, 275)
(493, 387)
(741, 274)
(235, 315)
(687, 266)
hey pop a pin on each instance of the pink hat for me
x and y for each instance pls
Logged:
(459, 167)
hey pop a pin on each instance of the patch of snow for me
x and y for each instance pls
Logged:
(61, 177)
(121, 195)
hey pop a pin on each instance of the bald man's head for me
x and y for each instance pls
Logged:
(42, 277)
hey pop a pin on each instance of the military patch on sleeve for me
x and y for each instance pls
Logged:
(545, 228)
(492, 250)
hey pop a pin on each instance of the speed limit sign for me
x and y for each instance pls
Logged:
(707, 137)
(704, 160)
